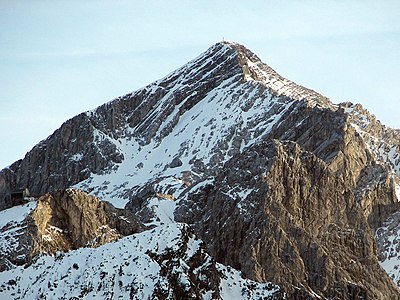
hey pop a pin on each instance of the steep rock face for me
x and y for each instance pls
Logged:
(383, 142)
(66, 157)
(75, 219)
(61, 221)
(280, 213)
(7, 184)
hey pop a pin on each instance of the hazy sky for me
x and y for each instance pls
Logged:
(59, 58)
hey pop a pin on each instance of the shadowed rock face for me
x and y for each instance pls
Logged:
(67, 220)
(66, 157)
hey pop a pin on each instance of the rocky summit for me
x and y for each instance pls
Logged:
(222, 180)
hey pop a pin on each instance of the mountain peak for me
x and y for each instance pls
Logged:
(228, 60)
(254, 69)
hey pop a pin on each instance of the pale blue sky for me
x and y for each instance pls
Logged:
(59, 58)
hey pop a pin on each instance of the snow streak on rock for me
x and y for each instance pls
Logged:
(383, 142)
(205, 112)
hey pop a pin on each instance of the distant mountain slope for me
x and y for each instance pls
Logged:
(276, 180)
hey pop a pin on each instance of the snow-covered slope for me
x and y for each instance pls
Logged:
(167, 262)
(196, 118)
(13, 224)
(206, 134)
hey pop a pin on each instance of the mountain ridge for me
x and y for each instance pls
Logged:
(221, 136)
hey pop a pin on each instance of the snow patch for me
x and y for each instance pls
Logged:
(163, 210)
(233, 286)
(76, 157)
(16, 214)
(397, 191)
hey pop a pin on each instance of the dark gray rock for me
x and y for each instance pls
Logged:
(66, 157)
(176, 162)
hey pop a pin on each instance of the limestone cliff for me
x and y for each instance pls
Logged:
(62, 221)
(279, 213)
